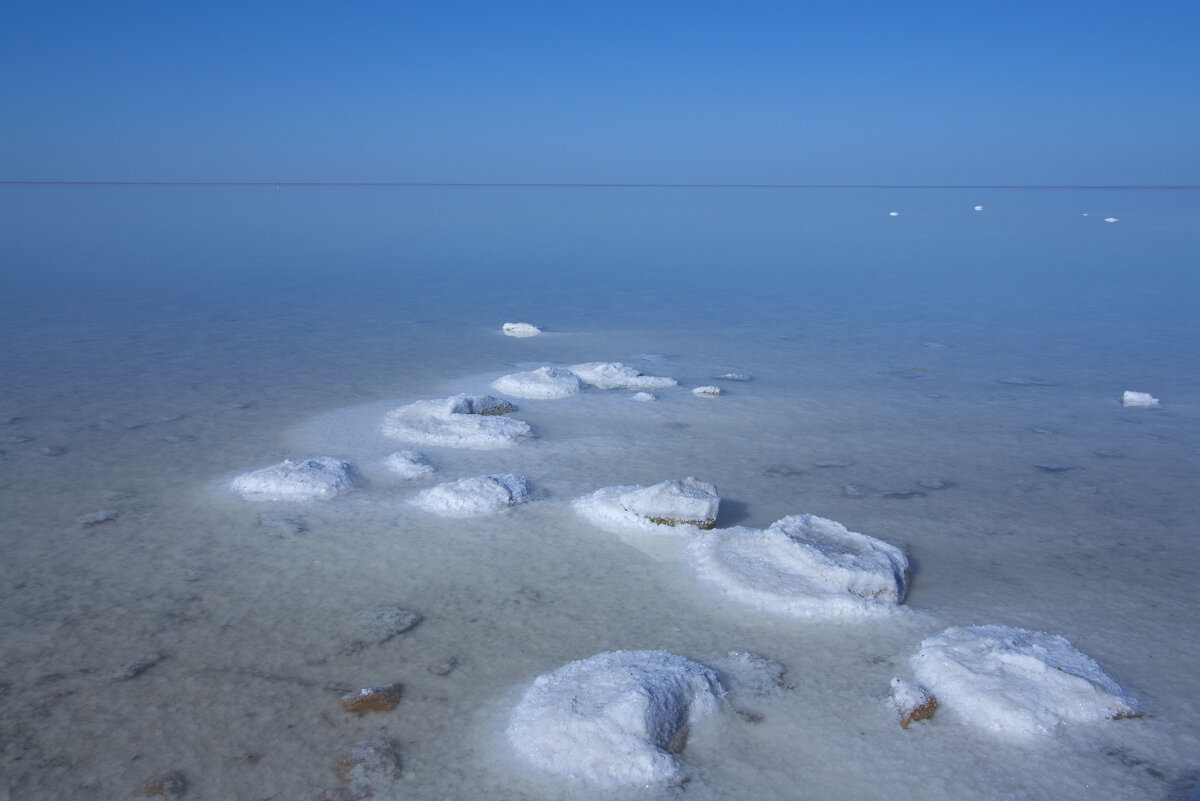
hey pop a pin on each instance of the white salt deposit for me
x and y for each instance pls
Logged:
(1132, 398)
(684, 502)
(803, 565)
(614, 375)
(477, 404)
(521, 330)
(1017, 681)
(304, 480)
(614, 719)
(979, 208)
(543, 383)
(645, 396)
(451, 423)
(893, 214)
(1111, 219)
(409, 465)
(706, 391)
(474, 496)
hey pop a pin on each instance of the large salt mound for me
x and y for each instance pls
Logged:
(308, 479)
(1017, 681)
(544, 383)
(461, 421)
(470, 497)
(614, 719)
(614, 375)
(804, 565)
(680, 502)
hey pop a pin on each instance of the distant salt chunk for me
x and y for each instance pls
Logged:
(734, 377)
(645, 396)
(979, 208)
(1111, 219)
(544, 383)
(680, 502)
(804, 565)
(615, 719)
(471, 497)
(911, 702)
(1132, 398)
(706, 391)
(1016, 681)
(462, 421)
(521, 330)
(614, 375)
(893, 214)
(409, 465)
(304, 480)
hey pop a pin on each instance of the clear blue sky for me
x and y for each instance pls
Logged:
(875, 92)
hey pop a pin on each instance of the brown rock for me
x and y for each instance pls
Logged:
(373, 699)
(368, 761)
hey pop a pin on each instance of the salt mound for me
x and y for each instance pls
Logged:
(543, 383)
(470, 497)
(308, 479)
(409, 465)
(520, 329)
(706, 390)
(461, 421)
(804, 565)
(681, 502)
(1132, 398)
(614, 375)
(614, 719)
(1017, 681)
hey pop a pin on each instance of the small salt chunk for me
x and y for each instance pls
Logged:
(455, 423)
(645, 396)
(893, 214)
(750, 674)
(687, 501)
(1132, 398)
(733, 377)
(477, 495)
(307, 479)
(383, 698)
(409, 465)
(707, 390)
(911, 702)
(1111, 219)
(979, 208)
(615, 375)
(478, 404)
(520, 329)
(544, 383)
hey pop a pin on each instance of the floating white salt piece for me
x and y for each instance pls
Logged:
(307, 479)
(1017, 681)
(471, 497)
(614, 375)
(1111, 219)
(979, 208)
(409, 465)
(803, 565)
(911, 702)
(521, 330)
(543, 383)
(1132, 398)
(440, 422)
(733, 377)
(614, 719)
(644, 396)
(686, 503)
(893, 214)
(709, 391)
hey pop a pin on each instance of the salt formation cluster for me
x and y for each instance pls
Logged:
(520, 329)
(1132, 398)
(305, 480)
(461, 421)
(614, 375)
(544, 383)
(615, 719)
(409, 465)
(471, 497)
(803, 565)
(1017, 681)
(681, 502)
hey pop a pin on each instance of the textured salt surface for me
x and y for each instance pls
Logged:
(453, 423)
(308, 479)
(409, 465)
(520, 329)
(477, 495)
(1132, 398)
(615, 375)
(542, 383)
(686, 503)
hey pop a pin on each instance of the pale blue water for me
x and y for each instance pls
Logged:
(159, 340)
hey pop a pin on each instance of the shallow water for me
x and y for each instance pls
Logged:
(158, 341)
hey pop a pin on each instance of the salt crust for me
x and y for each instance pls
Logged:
(470, 497)
(409, 465)
(644, 396)
(544, 383)
(803, 565)
(305, 480)
(614, 719)
(708, 390)
(681, 502)
(461, 421)
(520, 329)
(614, 375)
(1017, 681)
(1132, 398)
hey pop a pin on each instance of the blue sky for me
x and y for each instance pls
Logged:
(853, 92)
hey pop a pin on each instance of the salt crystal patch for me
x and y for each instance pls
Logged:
(307, 479)
(615, 375)
(709, 391)
(1017, 681)
(471, 497)
(520, 329)
(409, 465)
(614, 719)
(544, 383)
(1132, 398)
(433, 422)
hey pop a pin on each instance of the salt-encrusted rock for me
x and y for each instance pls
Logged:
(462, 421)
(409, 465)
(911, 702)
(707, 390)
(383, 698)
(614, 719)
(378, 624)
(368, 761)
(478, 404)
(138, 666)
(1016, 681)
(282, 525)
(304, 480)
(614, 375)
(544, 383)
(98, 517)
(803, 565)
(520, 329)
(478, 495)
(681, 502)
(1132, 398)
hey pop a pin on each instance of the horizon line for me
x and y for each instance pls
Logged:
(587, 185)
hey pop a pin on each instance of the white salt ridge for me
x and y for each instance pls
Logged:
(304, 480)
(614, 375)
(461, 421)
(1016, 681)
(614, 719)
(1132, 398)
(685, 503)
(409, 465)
(520, 329)
(474, 496)
(803, 565)
(544, 383)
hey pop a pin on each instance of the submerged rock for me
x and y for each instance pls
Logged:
(166, 785)
(615, 719)
(520, 329)
(470, 497)
(376, 625)
(614, 375)
(911, 702)
(98, 517)
(368, 761)
(461, 421)
(138, 666)
(282, 525)
(383, 698)
(308, 479)
(544, 383)
(680, 502)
